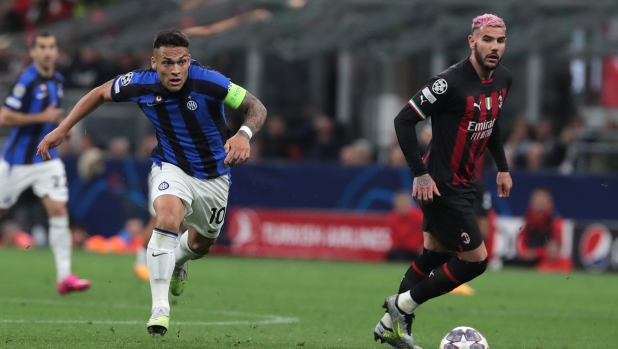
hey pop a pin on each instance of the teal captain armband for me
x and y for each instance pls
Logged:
(235, 96)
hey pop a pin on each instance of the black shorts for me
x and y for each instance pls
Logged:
(451, 220)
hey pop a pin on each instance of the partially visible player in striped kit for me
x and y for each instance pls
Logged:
(32, 109)
(191, 163)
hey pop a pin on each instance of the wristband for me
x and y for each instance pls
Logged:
(247, 130)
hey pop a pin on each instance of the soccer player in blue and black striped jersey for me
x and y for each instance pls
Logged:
(32, 109)
(191, 162)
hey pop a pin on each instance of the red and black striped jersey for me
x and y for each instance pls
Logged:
(464, 110)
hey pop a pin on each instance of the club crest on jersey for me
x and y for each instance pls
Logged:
(192, 105)
(126, 79)
(59, 91)
(163, 186)
(465, 238)
(440, 86)
(500, 101)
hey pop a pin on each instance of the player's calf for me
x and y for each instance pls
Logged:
(441, 281)
(183, 253)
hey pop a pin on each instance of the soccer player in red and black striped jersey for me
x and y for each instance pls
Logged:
(464, 103)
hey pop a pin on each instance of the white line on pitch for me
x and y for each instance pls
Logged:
(266, 318)
(274, 320)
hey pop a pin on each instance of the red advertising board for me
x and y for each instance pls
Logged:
(309, 234)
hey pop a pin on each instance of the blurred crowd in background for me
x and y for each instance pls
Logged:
(302, 93)
(306, 134)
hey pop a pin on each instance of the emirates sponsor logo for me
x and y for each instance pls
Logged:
(480, 130)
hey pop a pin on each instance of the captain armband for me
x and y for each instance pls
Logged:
(235, 96)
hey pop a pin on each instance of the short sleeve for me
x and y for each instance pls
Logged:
(432, 97)
(122, 91)
(15, 99)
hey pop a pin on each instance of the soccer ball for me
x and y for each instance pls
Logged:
(463, 337)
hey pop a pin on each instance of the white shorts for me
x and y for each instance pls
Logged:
(205, 200)
(47, 178)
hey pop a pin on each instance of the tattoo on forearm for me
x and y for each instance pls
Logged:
(255, 111)
(423, 181)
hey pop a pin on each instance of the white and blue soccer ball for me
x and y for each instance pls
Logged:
(464, 337)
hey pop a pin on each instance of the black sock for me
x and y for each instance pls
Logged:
(446, 278)
(421, 267)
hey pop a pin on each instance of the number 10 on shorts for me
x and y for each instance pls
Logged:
(218, 215)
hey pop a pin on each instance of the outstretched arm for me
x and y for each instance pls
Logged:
(237, 147)
(83, 108)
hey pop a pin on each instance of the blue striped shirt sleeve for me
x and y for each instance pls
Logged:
(120, 92)
(15, 100)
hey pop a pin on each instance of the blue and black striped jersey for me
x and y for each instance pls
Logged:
(190, 124)
(31, 94)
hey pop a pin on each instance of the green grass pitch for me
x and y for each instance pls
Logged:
(272, 303)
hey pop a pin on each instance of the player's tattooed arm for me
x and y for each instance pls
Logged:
(255, 112)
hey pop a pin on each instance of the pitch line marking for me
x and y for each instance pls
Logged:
(274, 320)
(260, 319)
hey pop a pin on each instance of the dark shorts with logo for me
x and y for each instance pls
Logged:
(452, 221)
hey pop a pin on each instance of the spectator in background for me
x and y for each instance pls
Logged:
(274, 142)
(516, 147)
(396, 157)
(11, 21)
(568, 141)
(358, 153)
(535, 157)
(119, 148)
(405, 221)
(320, 140)
(544, 134)
(540, 241)
(91, 161)
(86, 69)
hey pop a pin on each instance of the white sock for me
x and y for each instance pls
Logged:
(160, 258)
(182, 252)
(141, 256)
(386, 320)
(60, 243)
(406, 303)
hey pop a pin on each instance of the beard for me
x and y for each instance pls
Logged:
(481, 60)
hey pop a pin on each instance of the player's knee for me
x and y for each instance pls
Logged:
(477, 268)
(57, 209)
(471, 270)
(168, 221)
